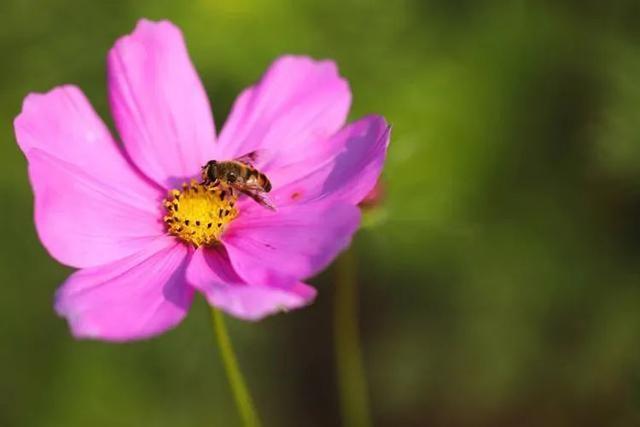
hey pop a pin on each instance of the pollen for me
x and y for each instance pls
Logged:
(198, 214)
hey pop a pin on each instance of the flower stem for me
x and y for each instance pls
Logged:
(236, 381)
(352, 382)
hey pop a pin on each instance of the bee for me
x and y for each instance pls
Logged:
(240, 175)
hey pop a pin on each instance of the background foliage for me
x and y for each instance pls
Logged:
(502, 286)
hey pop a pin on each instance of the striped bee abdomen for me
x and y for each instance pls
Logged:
(264, 182)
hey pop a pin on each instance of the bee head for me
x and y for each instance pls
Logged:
(210, 171)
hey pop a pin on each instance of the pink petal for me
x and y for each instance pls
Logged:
(91, 206)
(347, 169)
(210, 272)
(295, 241)
(137, 297)
(159, 104)
(85, 220)
(63, 124)
(297, 103)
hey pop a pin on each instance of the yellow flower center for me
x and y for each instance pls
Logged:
(199, 214)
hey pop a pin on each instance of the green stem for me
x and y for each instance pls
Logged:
(236, 381)
(352, 382)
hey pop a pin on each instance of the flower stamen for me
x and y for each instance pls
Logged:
(198, 214)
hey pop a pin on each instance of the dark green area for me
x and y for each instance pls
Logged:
(502, 280)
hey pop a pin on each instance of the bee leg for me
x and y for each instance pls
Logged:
(210, 185)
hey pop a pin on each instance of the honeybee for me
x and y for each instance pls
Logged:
(239, 174)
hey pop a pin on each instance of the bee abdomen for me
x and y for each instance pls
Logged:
(259, 178)
(264, 181)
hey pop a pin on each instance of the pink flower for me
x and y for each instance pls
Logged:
(144, 242)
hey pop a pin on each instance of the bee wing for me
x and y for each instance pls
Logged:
(258, 196)
(253, 157)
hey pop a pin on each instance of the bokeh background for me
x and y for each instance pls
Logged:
(500, 282)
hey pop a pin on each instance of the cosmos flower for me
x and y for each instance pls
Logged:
(141, 228)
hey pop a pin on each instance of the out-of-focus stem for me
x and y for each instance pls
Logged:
(352, 382)
(236, 381)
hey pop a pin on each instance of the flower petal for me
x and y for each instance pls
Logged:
(63, 124)
(297, 103)
(137, 297)
(84, 221)
(211, 272)
(346, 168)
(295, 241)
(159, 104)
(91, 205)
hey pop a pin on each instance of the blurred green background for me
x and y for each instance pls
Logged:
(501, 286)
